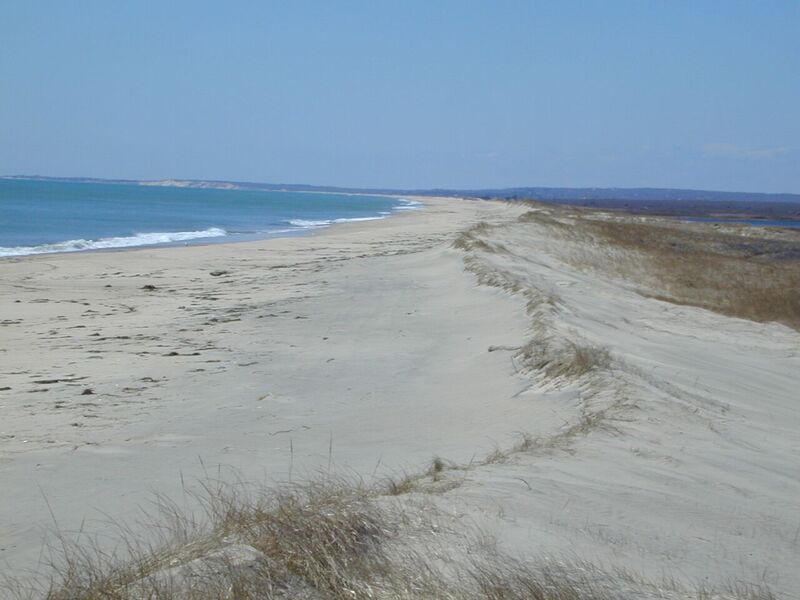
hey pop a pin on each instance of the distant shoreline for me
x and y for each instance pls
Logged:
(541, 193)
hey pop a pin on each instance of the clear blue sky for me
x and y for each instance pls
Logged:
(700, 94)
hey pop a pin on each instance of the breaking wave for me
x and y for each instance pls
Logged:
(318, 224)
(138, 239)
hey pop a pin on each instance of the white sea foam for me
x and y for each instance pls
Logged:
(357, 219)
(305, 224)
(408, 204)
(319, 224)
(149, 239)
(139, 239)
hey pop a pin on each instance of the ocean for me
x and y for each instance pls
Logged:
(38, 217)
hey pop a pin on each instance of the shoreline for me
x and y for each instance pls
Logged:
(457, 332)
(128, 366)
(207, 234)
(214, 241)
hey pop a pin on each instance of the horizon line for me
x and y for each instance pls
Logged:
(450, 190)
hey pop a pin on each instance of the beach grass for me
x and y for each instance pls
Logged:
(741, 271)
(330, 538)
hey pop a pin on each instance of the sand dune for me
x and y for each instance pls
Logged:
(659, 438)
(680, 457)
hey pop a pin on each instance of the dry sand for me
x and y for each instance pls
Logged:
(366, 348)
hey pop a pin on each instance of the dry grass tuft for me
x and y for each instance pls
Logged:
(312, 541)
(507, 579)
(329, 539)
(562, 358)
(402, 485)
(433, 480)
(437, 468)
(470, 239)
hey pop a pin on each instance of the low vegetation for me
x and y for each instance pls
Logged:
(328, 539)
(547, 351)
(740, 271)
(559, 357)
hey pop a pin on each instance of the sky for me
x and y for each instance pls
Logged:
(416, 94)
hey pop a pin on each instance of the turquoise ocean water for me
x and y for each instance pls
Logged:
(51, 216)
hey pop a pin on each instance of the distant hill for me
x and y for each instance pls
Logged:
(584, 196)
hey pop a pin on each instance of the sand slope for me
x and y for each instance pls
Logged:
(682, 457)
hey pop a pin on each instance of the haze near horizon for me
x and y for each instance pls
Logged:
(447, 94)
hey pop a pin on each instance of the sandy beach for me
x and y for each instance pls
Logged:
(370, 348)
